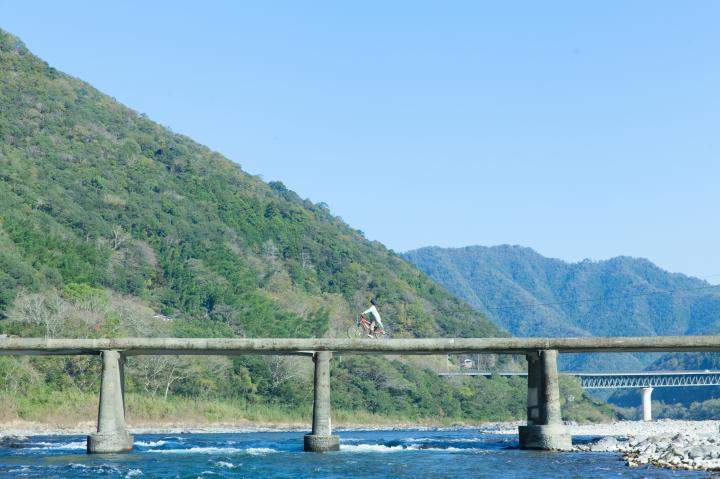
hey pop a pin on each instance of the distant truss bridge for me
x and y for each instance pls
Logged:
(644, 379)
(649, 379)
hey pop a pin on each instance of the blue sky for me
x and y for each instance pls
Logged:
(581, 129)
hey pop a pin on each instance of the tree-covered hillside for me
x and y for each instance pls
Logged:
(530, 295)
(111, 225)
(93, 193)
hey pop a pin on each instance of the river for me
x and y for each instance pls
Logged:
(408, 454)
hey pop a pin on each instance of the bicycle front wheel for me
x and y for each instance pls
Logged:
(354, 332)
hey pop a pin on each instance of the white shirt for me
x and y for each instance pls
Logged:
(373, 310)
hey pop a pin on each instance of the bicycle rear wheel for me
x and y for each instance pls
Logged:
(355, 332)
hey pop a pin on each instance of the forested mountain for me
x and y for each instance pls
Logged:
(93, 193)
(531, 295)
(112, 225)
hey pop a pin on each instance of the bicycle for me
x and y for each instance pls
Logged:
(361, 329)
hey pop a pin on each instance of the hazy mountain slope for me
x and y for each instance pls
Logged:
(92, 192)
(530, 295)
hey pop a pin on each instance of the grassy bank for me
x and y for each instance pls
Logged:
(78, 409)
(71, 409)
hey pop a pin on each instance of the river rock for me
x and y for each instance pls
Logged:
(606, 444)
(13, 442)
(680, 451)
(702, 452)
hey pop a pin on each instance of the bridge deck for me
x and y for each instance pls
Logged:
(227, 346)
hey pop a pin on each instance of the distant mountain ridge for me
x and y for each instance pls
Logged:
(528, 294)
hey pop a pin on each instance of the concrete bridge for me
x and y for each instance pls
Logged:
(647, 380)
(544, 429)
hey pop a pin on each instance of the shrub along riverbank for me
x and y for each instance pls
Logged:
(68, 409)
(72, 409)
(365, 392)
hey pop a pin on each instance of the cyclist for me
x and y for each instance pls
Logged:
(376, 323)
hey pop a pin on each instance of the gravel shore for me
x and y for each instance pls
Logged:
(692, 445)
(624, 429)
(618, 429)
(26, 429)
(31, 429)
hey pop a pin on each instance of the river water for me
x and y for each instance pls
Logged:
(364, 454)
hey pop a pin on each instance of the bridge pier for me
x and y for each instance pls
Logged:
(545, 429)
(647, 404)
(111, 435)
(321, 438)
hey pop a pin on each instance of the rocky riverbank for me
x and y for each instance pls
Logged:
(681, 451)
(691, 445)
